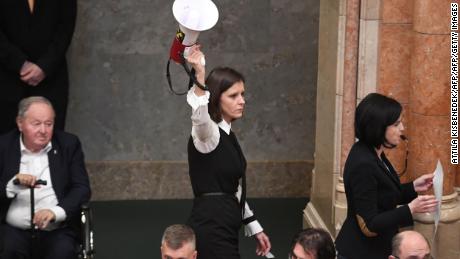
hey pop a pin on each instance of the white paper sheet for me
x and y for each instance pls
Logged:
(269, 255)
(437, 188)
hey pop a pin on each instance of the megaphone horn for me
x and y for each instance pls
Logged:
(193, 16)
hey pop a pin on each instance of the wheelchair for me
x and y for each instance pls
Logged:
(85, 239)
(86, 246)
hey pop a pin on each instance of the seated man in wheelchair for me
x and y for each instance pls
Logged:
(43, 183)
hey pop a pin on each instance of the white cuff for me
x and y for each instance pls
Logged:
(252, 228)
(12, 190)
(59, 212)
(195, 101)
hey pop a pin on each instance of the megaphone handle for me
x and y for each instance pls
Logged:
(191, 75)
(168, 77)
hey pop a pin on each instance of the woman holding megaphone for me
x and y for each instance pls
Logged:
(217, 164)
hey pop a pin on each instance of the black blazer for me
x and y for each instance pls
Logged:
(67, 170)
(373, 192)
(42, 37)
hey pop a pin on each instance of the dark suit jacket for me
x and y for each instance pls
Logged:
(67, 170)
(373, 193)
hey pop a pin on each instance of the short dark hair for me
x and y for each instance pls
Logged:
(373, 115)
(315, 240)
(175, 236)
(219, 80)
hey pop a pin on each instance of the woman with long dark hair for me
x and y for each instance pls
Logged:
(217, 165)
(372, 185)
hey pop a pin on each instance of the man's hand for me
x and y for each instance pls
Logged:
(263, 244)
(43, 217)
(26, 179)
(31, 74)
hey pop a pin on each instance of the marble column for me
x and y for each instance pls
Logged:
(346, 96)
(394, 65)
(457, 178)
(429, 118)
(349, 91)
(340, 201)
(319, 211)
(358, 81)
(350, 72)
(331, 154)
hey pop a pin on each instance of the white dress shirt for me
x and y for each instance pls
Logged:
(206, 135)
(36, 164)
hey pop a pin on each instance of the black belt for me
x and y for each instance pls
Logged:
(206, 194)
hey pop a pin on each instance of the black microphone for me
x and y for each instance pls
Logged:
(403, 137)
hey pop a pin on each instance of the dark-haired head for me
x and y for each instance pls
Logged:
(314, 241)
(219, 80)
(373, 115)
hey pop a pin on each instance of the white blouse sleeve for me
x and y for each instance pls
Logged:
(205, 132)
(252, 227)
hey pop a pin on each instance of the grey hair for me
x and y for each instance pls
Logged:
(396, 243)
(175, 236)
(25, 104)
(397, 240)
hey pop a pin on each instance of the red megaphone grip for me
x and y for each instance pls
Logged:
(177, 50)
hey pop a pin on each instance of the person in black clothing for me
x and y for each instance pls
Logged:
(372, 185)
(216, 165)
(34, 38)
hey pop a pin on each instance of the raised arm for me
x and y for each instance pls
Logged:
(205, 132)
(194, 58)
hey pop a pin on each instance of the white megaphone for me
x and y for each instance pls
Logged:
(193, 16)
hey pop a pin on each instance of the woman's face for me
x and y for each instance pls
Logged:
(393, 132)
(232, 102)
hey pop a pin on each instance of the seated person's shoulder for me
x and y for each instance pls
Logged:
(9, 138)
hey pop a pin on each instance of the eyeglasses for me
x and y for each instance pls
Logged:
(427, 256)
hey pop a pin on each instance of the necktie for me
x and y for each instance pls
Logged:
(31, 5)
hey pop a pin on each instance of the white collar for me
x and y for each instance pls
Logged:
(225, 126)
(23, 147)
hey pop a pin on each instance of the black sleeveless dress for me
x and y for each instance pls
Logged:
(216, 215)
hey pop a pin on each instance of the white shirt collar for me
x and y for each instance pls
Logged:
(225, 126)
(23, 147)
